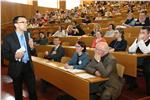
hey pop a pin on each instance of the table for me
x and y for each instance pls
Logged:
(69, 82)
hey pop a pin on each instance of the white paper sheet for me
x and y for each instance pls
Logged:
(72, 70)
(85, 75)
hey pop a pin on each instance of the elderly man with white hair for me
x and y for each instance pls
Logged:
(104, 64)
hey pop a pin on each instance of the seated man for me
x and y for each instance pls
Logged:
(55, 54)
(104, 64)
(57, 51)
(142, 45)
(130, 21)
(143, 20)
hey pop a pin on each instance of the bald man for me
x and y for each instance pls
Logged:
(104, 64)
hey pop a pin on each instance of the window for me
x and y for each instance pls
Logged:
(49, 3)
(21, 1)
(70, 4)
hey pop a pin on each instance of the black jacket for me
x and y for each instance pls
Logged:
(59, 54)
(10, 46)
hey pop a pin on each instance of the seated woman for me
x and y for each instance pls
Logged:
(86, 20)
(108, 13)
(43, 39)
(110, 32)
(80, 58)
(116, 11)
(60, 32)
(77, 27)
(95, 29)
(71, 30)
(130, 20)
(67, 20)
(99, 38)
(99, 17)
(103, 64)
(119, 44)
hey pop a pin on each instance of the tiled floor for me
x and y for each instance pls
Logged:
(53, 92)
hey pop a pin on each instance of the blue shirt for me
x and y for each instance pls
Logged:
(22, 42)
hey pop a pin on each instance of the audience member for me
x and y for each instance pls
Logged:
(60, 32)
(119, 44)
(95, 29)
(130, 21)
(57, 51)
(142, 45)
(143, 20)
(111, 30)
(99, 38)
(43, 39)
(80, 58)
(104, 64)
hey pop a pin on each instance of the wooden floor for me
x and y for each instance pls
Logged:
(53, 92)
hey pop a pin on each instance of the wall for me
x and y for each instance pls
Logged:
(9, 10)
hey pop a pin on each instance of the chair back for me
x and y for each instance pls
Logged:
(120, 69)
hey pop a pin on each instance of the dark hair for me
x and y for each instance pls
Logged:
(113, 26)
(121, 30)
(15, 19)
(37, 11)
(146, 28)
(83, 45)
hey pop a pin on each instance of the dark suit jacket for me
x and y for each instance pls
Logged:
(146, 22)
(59, 54)
(10, 46)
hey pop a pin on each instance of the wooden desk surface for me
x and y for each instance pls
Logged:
(136, 54)
(124, 58)
(69, 82)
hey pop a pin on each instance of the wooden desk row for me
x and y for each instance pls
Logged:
(87, 40)
(128, 60)
(129, 31)
(69, 82)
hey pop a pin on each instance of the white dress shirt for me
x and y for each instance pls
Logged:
(142, 46)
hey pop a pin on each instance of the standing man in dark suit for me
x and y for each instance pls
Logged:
(18, 48)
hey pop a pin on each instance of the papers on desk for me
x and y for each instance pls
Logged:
(85, 75)
(72, 70)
